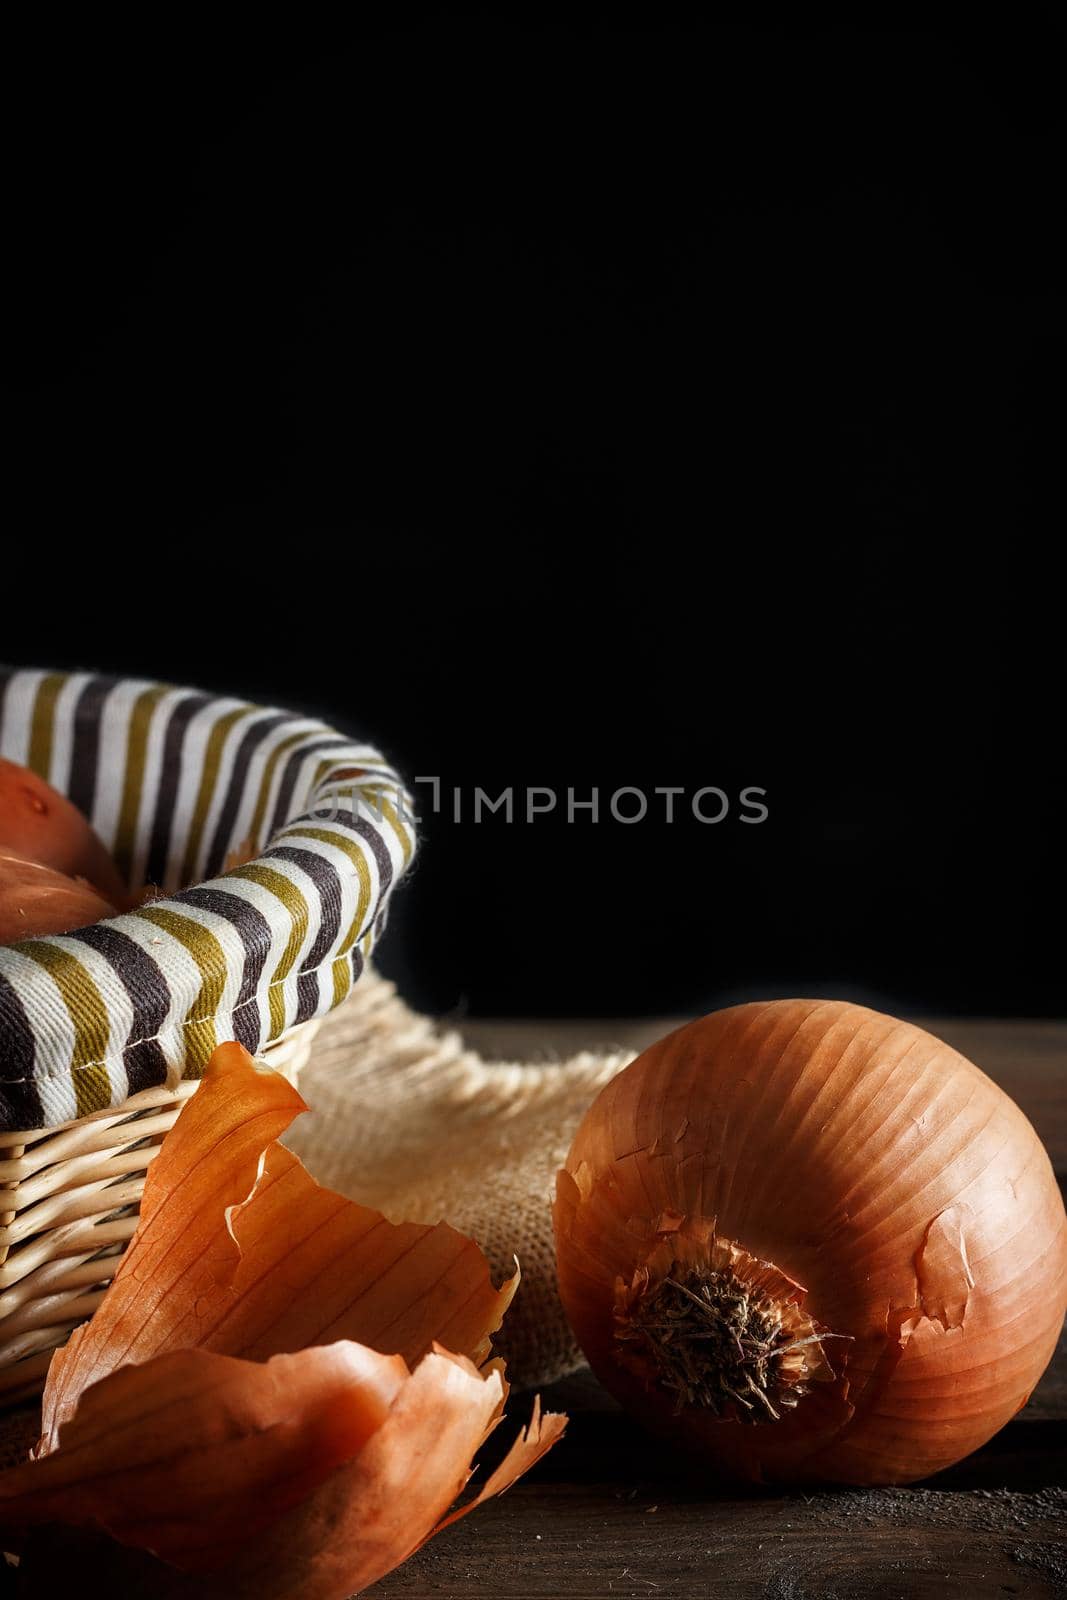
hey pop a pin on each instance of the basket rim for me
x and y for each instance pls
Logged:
(90, 1017)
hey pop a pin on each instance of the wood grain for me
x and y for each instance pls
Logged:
(612, 1513)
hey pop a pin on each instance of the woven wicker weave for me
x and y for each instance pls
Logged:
(71, 1198)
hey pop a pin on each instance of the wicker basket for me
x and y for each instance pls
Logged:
(71, 1196)
(104, 1032)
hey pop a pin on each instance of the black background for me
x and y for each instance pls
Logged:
(581, 404)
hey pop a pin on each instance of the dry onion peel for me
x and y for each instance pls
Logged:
(311, 1474)
(240, 1251)
(811, 1242)
(295, 1469)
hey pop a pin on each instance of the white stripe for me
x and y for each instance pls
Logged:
(153, 761)
(119, 1008)
(197, 734)
(314, 732)
(18, 705)
(303, 792)
(383, 829)
(53, 1030)
(63, 730)
(232, 947)
(114, 738)
(276, 911)
(256, 767)
(306, 884)
(269, 907)
(339, 858)
(178, 967)
(227, 758)
(367, 798)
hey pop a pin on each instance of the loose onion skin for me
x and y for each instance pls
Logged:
(812, 1175)
(36, 900)
(38, 822)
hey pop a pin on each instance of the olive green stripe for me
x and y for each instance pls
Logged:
(353, 849)
(392, 816)
(199, 1025)
(342, 979)
(374, 799)
(255, 833)
(42, 723)
(285, 890)
(88, 1013)
(136, 746)
(208, 778)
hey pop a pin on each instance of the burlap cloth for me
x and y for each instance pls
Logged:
(404, 1118)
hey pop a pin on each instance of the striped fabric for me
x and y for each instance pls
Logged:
(175, 781)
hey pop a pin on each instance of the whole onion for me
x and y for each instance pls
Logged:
(812, 1243)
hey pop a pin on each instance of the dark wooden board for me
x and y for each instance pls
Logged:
(612, 1513)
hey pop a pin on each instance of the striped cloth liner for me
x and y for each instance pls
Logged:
(175, 781)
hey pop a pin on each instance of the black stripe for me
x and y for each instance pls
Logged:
(85, 745)
(249, 923)
(254, 932)
(327, 881)
(307, 996)
(224, 842)
(141, 977)
(248, 1028)
(146, 1065)
(169, 778)
(20, 1103)
(354, 823)
(292, 768)
(381, 855)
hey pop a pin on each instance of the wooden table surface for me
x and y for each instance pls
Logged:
(612, 1513)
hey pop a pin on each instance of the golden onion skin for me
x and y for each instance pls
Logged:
(874, 1182)
(39, 823)
(37, 900)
